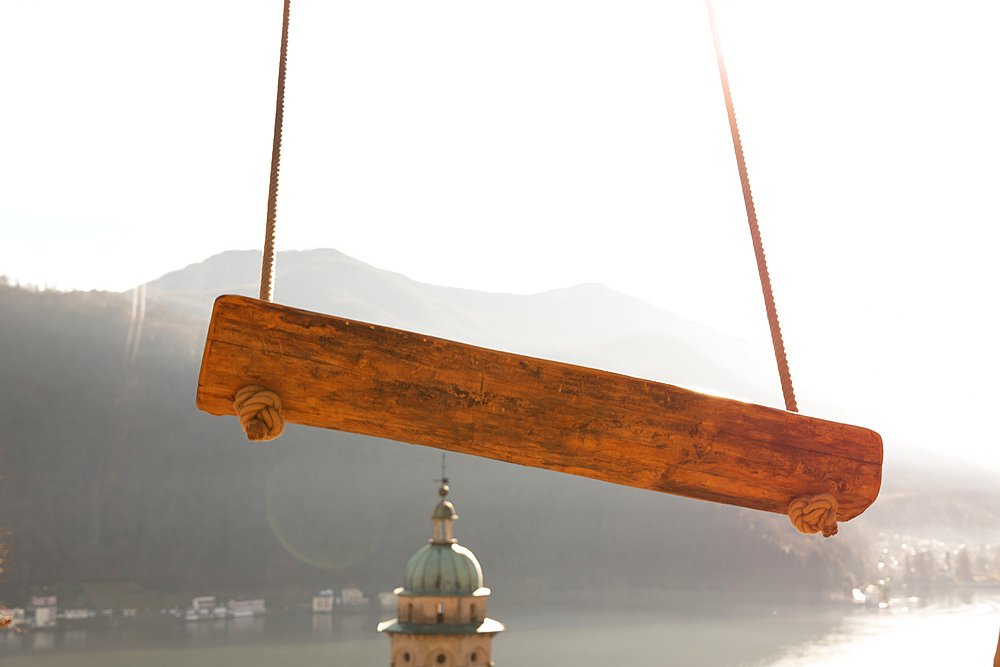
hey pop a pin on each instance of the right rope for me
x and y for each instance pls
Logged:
(758, 247)
(814, 514)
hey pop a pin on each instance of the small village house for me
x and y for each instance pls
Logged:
(323, 602)
(239, 608)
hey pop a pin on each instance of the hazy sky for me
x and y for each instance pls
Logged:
(522, 146)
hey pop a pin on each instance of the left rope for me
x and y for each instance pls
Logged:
(267, 265)
(259, 410)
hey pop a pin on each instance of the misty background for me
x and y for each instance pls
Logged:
(112, 477)
(542, 159)
(536, 145)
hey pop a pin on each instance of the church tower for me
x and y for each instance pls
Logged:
(441, 619)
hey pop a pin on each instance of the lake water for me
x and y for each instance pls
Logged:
(949, 628)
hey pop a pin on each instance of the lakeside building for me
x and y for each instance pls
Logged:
(206, 602)
(240, 608)
(352, 597)
(45, 610)
(323, 602)
(441, 607)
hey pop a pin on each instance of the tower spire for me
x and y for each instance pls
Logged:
(443, 491)
(442, 603)
(444, 513)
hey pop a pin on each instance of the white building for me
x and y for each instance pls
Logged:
(352, 597)
(45, 610)
(323, 602)
(441, 613)
(240, 608)
(204, 602)
(45, 617)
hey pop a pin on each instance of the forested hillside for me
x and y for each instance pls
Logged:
(112, 475)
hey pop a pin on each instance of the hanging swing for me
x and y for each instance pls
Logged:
(269, 364)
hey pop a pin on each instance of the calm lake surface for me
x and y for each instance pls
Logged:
(948, 628)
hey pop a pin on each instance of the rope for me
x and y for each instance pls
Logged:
(267, 266)
(812, 514)
(758, 247)
(259, 410)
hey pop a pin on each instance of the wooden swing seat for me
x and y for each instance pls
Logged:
(373, 380)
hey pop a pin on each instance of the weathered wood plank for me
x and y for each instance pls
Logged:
(363, 378)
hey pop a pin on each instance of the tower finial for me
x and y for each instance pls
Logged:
(443, 491)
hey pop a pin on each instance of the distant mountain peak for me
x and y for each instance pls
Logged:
(589, 324)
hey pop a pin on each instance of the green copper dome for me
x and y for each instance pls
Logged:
(443, 569)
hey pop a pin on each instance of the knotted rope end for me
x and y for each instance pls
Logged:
(814, 514)
(259, 410)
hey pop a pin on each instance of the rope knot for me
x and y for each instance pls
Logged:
(813, 514)
(259, 410)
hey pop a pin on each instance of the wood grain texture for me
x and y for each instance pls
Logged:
(374, 380)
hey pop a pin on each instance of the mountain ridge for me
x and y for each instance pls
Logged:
(585, 324)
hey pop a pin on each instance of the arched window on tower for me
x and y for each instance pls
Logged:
(472, 614)
(440, 612)
(409, 613)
